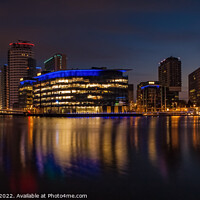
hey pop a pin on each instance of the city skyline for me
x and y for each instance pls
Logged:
(100, 99)
(113, 34)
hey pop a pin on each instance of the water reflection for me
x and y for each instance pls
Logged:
(82, 145)
(196, 135)
(36, 149)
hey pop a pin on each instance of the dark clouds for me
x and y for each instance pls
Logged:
(114, 33)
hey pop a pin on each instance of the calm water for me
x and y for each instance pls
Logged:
(105, 158)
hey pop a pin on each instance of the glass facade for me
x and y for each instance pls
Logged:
(78, 91)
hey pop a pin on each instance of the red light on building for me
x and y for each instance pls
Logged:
(22, 44)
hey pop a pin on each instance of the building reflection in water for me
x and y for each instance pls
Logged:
(153, 157)
(196, 133)
(17, 174)
(56, 148)
(83, 145)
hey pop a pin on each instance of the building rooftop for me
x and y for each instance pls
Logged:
(75, 72)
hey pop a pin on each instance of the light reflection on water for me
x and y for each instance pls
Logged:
(143, 152)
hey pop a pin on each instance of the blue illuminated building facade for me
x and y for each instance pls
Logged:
(26, 93)
(76, 91)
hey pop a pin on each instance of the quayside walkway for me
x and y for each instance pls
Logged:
(86, 115)
(12, 112)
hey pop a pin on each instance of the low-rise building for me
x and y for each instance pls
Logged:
(26, 94)
(149, 97)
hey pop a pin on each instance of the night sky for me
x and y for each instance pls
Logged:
(135, 34)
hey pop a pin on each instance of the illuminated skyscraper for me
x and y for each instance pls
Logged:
(18, 56)
(56, 62)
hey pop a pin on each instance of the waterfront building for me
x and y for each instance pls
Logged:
(18, 56)
(77, 91)
(56, 62)
(194, 87)
(149, 97)
(26, 94)
(169, 75)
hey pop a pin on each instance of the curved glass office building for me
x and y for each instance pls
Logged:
(76, 91)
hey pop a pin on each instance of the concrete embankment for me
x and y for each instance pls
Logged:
(87, 115)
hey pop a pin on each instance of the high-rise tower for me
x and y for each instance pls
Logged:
(169, 75)
(18, 56)
(32, 71)
(56, 63)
